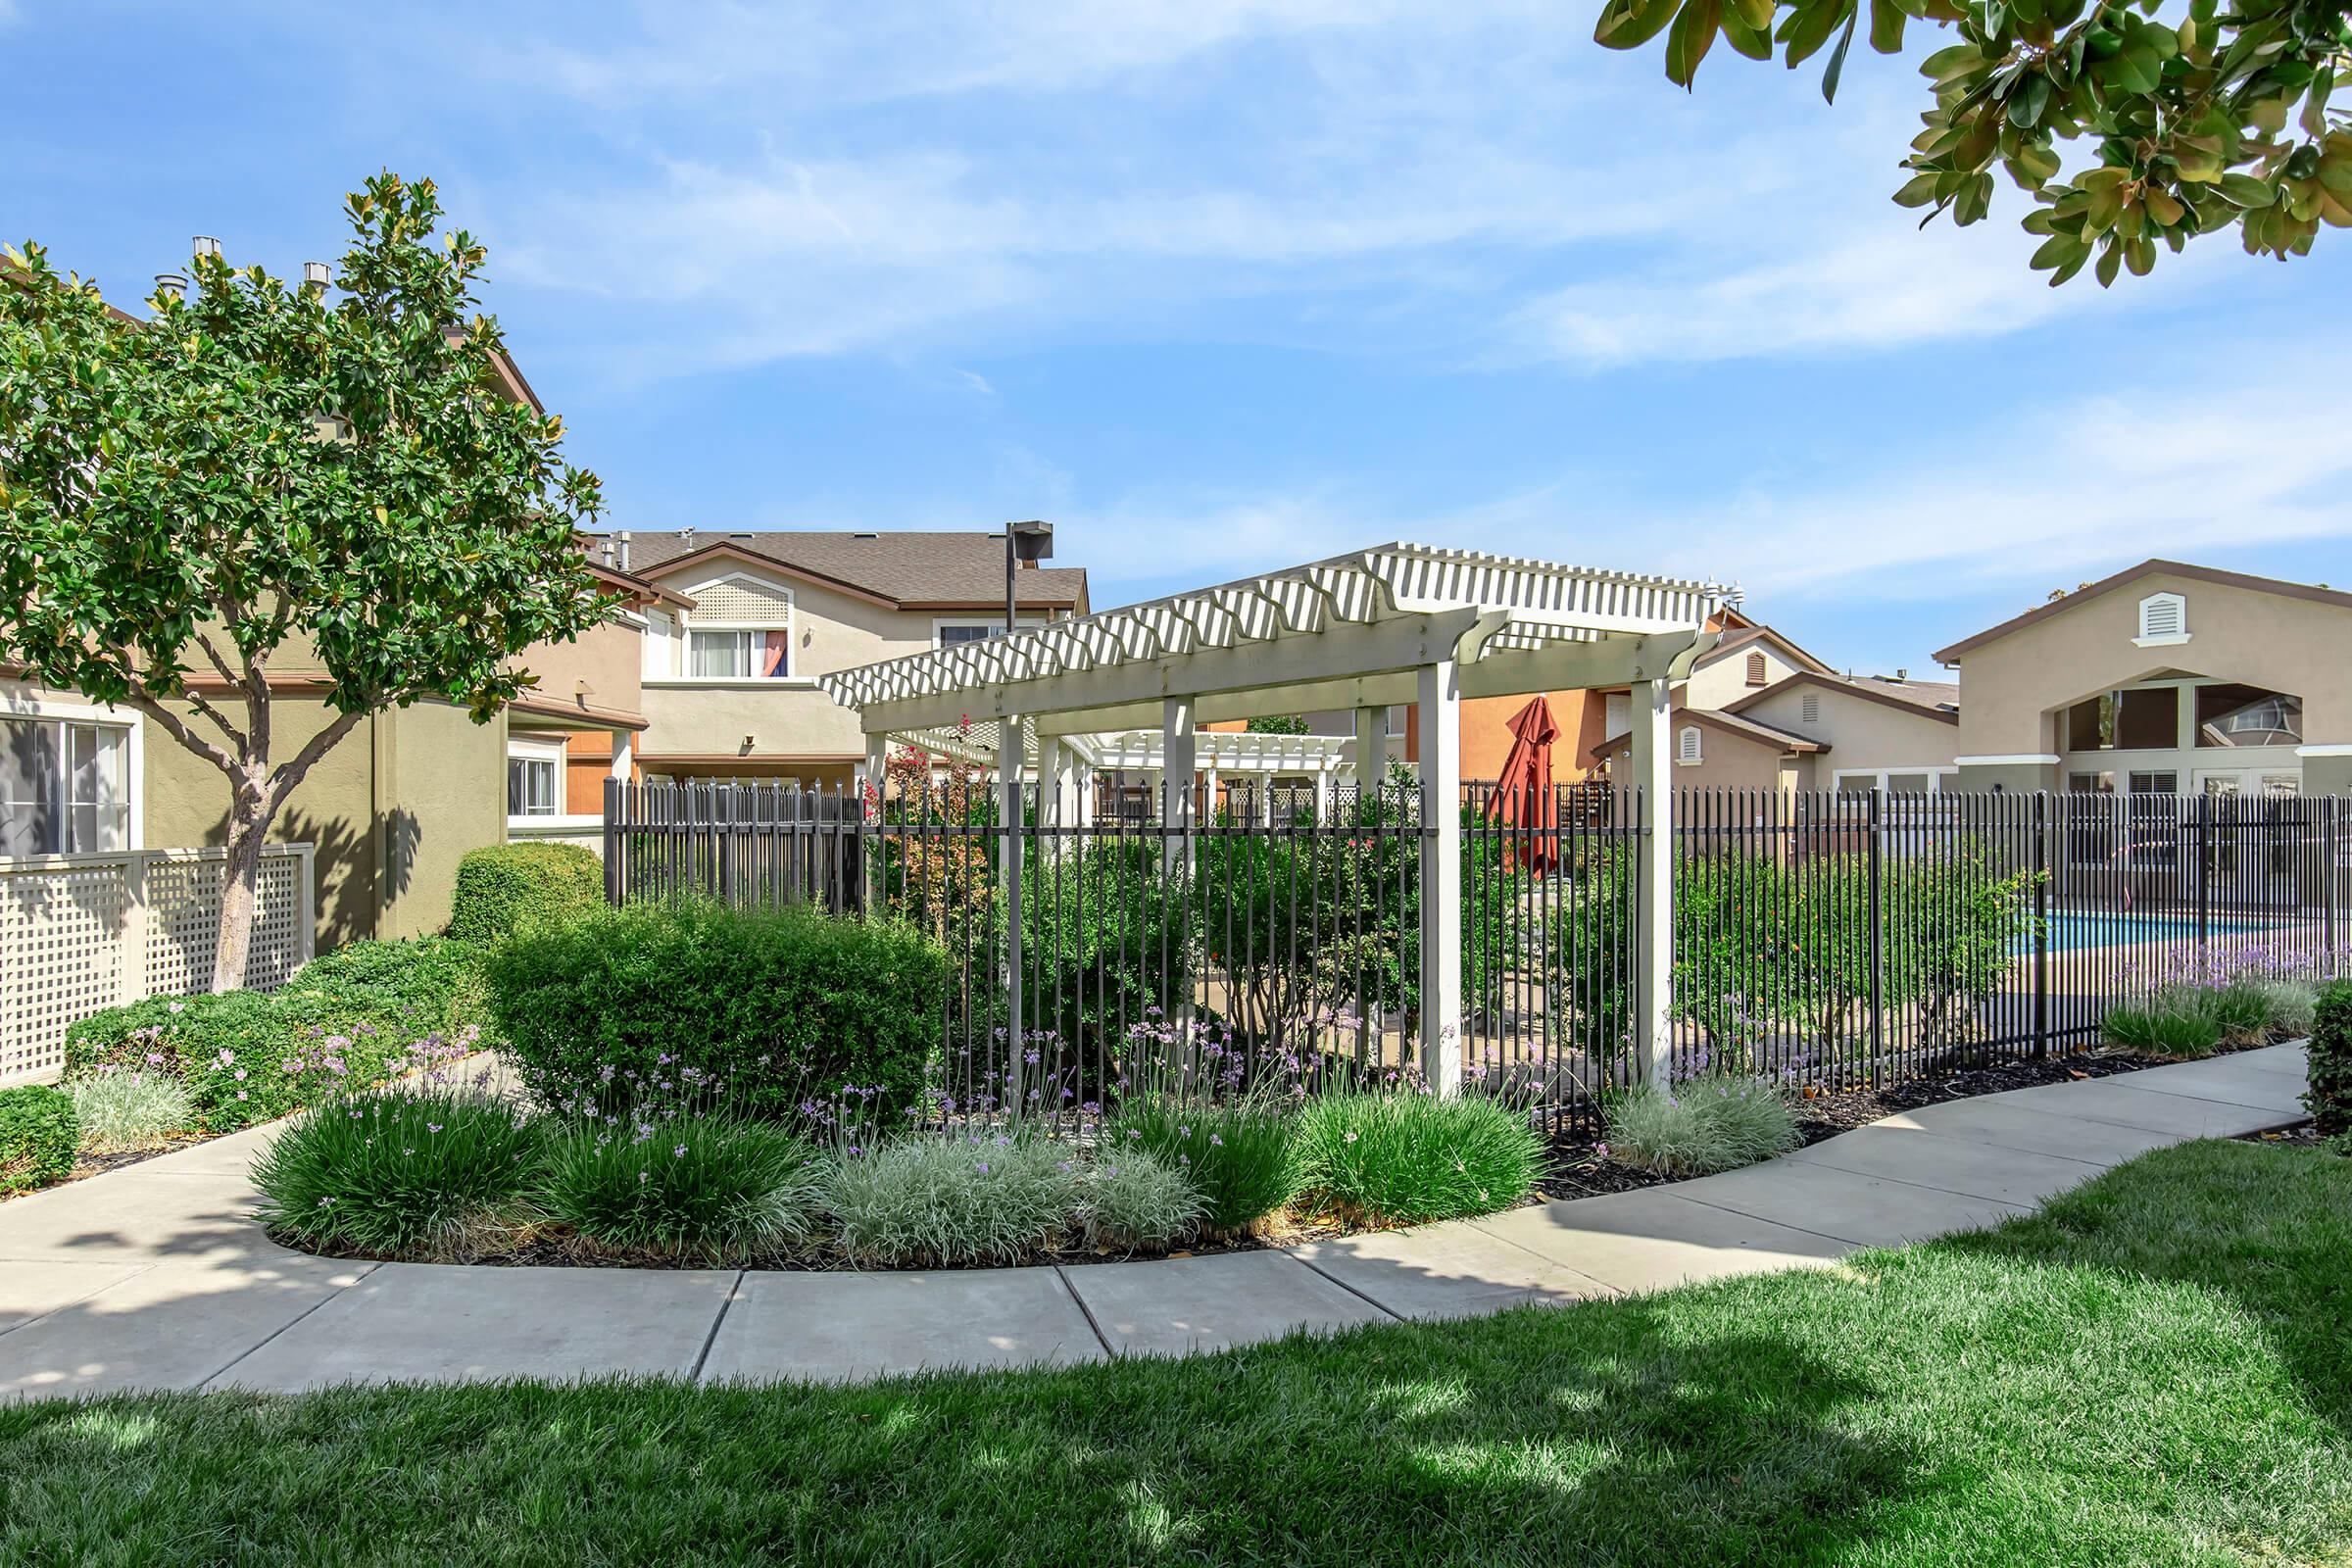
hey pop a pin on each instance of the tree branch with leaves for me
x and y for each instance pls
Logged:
(261, 494)
(2215, 120)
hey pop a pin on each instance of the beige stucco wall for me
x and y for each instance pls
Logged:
(1728, 760)
(609, 660)
(2292, 645)
(389, 808)
(788, 718)
(1724, 681)
(1862, 735)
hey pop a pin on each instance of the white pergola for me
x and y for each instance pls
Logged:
(1389, 624)
(1061, 763)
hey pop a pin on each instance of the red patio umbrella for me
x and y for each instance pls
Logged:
(1523, 796)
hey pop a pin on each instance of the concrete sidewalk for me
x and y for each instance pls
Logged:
(154, 1276)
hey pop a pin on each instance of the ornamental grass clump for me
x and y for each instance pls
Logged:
(1717, 1122)
(428, 1174)
(1237, 1156)
(2175, 1021)
(954, 1199)
(705, 1188)
(126, 1109)
(1133, 1203)
(1406, 1156)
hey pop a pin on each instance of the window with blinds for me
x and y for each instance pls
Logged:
(740, 628)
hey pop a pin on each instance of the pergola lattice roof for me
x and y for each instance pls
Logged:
(1346, 631)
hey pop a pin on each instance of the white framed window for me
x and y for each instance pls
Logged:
(67, 784)
(1688, 746)
(740, 628)
(2163, 621)
(957, 630)
(1922, 780)
(534, 777)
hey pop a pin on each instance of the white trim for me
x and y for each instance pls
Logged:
(748, 683)
(1936, 774)
(561, 826)
(2178, 605)
(530, 748)
(2331, 750)
(991, 622)
(2018, 760)
(2173, 641)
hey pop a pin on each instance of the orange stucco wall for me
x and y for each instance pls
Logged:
(1487, 733)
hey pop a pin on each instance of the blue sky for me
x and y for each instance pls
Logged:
(1225, 285)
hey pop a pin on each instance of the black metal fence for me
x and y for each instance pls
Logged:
(1833, 939)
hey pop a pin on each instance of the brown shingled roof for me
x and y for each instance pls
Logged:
(914, 570)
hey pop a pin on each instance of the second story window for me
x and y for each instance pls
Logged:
(739, 629)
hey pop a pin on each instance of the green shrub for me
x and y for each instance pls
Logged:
(779, 1005)
(2330, 1095)
(128, 1107)
(418, 1174)
(248, 1057)
(502, 887)
(1237, 1156)
(1132, 1201)
(2176, 1021)
(37, 1137)
(692, 1189)
(421, 984)
(2243, 1008)
(1403, 1156)
(923, 1199)
(1702, 1125)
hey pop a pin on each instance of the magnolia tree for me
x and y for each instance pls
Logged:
(2196, 117)
(263, 495)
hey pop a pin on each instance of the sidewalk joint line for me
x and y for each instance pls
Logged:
(734, 1289)
(1086, 1312)
(144, 1268)
(205, 1382)
(1308, 1263)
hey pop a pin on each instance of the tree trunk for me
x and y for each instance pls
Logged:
(240, 885)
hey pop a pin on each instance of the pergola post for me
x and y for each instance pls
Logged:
(1441, 726)
(874, 777)
(1008, 884)
(1263, 784)
(1653, 758)
(1322, 796)
(1371, 752)
(625, 754)
(1052, 761)
(1179, 749)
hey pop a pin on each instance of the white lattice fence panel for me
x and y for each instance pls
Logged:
(61, 960)
(81, 933)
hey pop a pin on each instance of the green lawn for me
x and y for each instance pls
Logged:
(2158, 1370)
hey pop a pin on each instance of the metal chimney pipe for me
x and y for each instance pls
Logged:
(317, 274)
(204, 245)
(624, 537)
(171, 283)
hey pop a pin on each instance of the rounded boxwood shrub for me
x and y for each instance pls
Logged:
(1701, 1126)
(1404, 1157)
(407, 1174)
(502, 887)
(420, 983)
(779, 1007)
(700, 1189)
(39, 1134)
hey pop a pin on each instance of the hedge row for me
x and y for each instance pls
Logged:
(2330, 1096)
(39, 1134)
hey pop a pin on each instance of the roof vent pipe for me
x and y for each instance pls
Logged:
(204, 245)
(317, 274)
(623, 538)
(171, 283)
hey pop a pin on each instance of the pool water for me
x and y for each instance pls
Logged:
(2073, 930)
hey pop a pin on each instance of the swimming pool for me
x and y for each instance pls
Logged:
(2074, 930)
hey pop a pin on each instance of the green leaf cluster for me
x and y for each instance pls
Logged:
(2216, 119)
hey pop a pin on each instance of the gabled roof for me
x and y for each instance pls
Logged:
(1724, 718)
(2131, 574)
(1928, 699)
(1737, 640)
(902, 568)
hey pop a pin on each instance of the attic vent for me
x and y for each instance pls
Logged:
(738, 599)
(2163, 619)
(1812, 708)
(1686, 745)
(1755, 669)
(865, 536)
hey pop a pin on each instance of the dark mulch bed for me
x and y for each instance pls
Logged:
(1581, 1167)
(88, 1165)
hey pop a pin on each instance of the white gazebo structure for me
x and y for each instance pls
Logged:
(1389, 624)
(1061, 763)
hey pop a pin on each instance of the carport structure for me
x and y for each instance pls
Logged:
(1390, 625)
